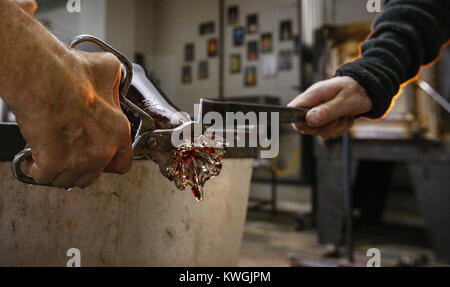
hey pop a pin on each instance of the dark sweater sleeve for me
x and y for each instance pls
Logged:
(407, 35)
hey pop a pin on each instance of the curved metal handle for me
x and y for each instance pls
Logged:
(16, 168)
(88, 39)
(147, 122)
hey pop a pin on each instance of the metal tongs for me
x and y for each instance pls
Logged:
(158, 144)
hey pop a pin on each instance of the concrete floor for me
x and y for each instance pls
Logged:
(268, 239)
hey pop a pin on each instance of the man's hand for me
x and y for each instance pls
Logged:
(28, 6)
(334, 104)
(79, 131)
(66, 102)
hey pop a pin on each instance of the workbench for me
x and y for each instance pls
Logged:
(428, 165)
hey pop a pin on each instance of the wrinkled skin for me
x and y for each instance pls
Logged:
(66, 102)
(335, 103)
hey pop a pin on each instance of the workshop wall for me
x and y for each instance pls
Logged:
(121, 26)
(159, 30)
(146, 24)
(270, 13)
(63, 24)
(104, 19)
(177, 24)
(344, 12)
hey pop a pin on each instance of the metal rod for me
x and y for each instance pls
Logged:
(347, 196)
(434, 94)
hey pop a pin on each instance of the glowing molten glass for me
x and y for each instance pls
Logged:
(196, 162)
(193, 163)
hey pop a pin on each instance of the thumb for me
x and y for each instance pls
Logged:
(317, 94)
(326, 113)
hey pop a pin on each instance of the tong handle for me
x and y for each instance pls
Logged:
(16, 168)
(287, 115)
(26, 154)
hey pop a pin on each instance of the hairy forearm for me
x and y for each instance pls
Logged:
(66, 102)
(31, 61)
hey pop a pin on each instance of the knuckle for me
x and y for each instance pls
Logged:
(82, 186)
(86, 184)
(111, 63)
(354, 86)
(111, 59)
(102, 157)
(123, 170)
(103, 67)
(125, 125)
(348, 81)
(40, 179)
(124, 167)
(46, 167)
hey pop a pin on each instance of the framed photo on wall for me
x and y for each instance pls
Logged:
(252, 51)
(233, 15)
(203, 70)
(235, 63)
(189, 53)
(252, 24)
(250, 77)
(285, 60)
(207, 28)
(238, 36)
(212, 48)
(186, 75)
(266, 43)
(286, 30)
(269, 66)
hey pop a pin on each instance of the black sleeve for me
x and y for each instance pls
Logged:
(407, 35)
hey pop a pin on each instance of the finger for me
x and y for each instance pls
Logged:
(88, 178)
(327, 112)
(344, 128)
(26, 166)
(329, 130)
(304, 128)
(344, 124)
(122, 161)
(42, 176)
(317, 94)
(65, 179)
(307, 130)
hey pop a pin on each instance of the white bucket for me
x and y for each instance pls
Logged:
(139, 219)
